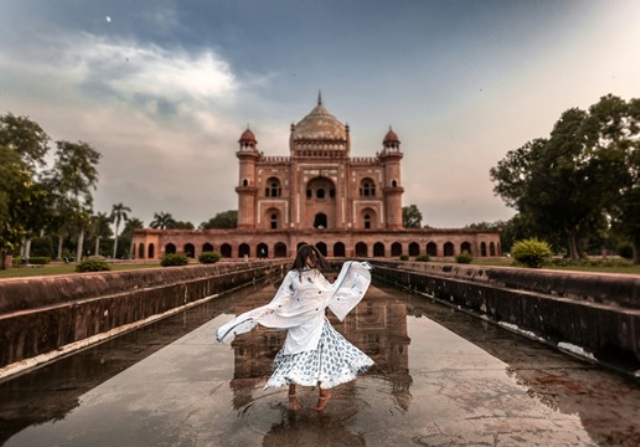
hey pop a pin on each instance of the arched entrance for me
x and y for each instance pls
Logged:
(207, 247)
(362, 250)
(226, 251)
(465, 247)
(322, 248)
(169, 249)
(262, 250)
(151, 251)
(432, 249)
(396, 249)
(414, 249)
(378, 250)
(448, 249)
(190, 250)
(244, 250)
(339, 250)
(280, 250)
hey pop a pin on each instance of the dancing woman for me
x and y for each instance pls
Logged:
(314, 353)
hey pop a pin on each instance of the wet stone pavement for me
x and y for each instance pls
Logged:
(441, 378)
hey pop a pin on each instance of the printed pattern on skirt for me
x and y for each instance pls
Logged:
(336, 361)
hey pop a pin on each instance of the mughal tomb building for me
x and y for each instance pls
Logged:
(346, 206)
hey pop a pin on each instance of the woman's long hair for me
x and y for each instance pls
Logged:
(309, 251)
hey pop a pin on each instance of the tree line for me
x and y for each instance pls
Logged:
(579, 188)
(46, 199)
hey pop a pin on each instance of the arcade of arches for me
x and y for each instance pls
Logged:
(346, 206)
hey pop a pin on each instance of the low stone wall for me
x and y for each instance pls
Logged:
(588, 314)
(43, 314)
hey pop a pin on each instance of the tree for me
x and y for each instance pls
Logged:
(182, 225)
(24, 200)
(225, 219)
(118, 213)
(25, 137)
(15, 180)
(100, 229)
(75, 175)
(411, 217)
(614, 133)
(557, 182)
(162, 221)
(127, 232)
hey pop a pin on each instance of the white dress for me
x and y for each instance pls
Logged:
(313, 352)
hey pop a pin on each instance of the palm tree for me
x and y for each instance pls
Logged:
(118, 213)
(162, 220)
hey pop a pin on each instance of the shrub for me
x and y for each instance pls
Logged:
(174, 259)
(464, 258)
(625, 251)
(93, 265)
(40, 260)
(423, 258)
(531, 252)
(209, 257)
(404, 257)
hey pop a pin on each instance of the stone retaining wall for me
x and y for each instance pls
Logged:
(599, 313)
(40, 315)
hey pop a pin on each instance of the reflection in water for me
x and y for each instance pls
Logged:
(377, 326)
(52, 392)
(302, 430)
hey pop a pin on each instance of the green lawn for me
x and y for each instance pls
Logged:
(61, 269)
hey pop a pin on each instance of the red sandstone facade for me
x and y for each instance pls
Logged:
(346, 206)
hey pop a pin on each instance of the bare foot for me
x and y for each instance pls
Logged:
(293, 403)
(323, 399)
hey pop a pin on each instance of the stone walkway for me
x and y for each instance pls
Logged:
(441, 378)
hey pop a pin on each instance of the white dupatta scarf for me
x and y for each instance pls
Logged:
(299, 306)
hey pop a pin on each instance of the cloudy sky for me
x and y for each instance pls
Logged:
(164, 88)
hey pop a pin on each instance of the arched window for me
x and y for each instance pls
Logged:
(207, 247)
(367, 188)
(367, 221)
(245, 182)
(273, 188)
(432, 249)
(320, 193)
(190, 250)
(274, 221)
(492, 249)
(141, 251)
(414, 249)
(151, 251)
(378, 250)
(339, 250)
(483, 249)
(465, 247)
(394, 183)
(362, 250)
(448, 249)
(320, 221)
(169, 249)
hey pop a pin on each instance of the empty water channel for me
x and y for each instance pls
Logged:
(441, 378)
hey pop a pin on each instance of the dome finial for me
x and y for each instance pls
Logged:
(319, 97)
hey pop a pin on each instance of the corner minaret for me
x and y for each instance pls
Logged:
(392, 188)
(247, 190)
